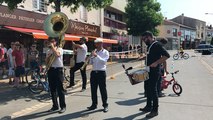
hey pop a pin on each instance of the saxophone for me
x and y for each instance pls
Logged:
(87, 60)
(55, 26)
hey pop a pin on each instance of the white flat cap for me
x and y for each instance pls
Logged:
(98, 40)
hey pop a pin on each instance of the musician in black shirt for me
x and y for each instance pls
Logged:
(156, 55)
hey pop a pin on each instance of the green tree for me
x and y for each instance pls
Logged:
(72, 4)
(143, 15)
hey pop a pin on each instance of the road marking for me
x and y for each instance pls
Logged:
(41, 105)
(210, 69)
(29, 110)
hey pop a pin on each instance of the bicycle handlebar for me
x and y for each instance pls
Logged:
(175, 72)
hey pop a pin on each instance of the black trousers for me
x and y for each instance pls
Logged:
(83, 74)
(55, 79)
(160, 81)
(151, 89)
(98, 79)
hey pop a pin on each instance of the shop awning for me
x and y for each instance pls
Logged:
(105, 40)
(110, 41)
(39, 34)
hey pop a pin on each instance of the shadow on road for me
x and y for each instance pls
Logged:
(130, 102)
(82, 114)
(22, 93)
(131, 117)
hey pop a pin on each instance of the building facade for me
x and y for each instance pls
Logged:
(199, 25)
(26, 24)
(178, 35)
(209, 34)
(113, 24)
(170, 30)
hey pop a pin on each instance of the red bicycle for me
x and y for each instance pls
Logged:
(176, 87)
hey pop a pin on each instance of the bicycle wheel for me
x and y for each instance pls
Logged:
(29, 76)
(36, 87)
(185, 56)
(177, 89)
(175, 56)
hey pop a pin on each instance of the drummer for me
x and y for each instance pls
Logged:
(156, 55)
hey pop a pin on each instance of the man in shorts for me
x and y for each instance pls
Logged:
(18, 60)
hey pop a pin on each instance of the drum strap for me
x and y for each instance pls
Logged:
(149, 49)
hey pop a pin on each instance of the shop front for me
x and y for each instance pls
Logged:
(27, 28)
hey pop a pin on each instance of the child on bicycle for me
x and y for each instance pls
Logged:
(181, 51)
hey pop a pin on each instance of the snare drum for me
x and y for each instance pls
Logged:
(139, 76)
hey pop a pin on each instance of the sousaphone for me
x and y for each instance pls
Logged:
(55, 25)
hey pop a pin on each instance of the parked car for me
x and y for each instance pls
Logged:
(204, 48)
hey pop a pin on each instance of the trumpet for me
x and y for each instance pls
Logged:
(87, 60)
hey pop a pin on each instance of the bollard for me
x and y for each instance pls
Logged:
(112, 77)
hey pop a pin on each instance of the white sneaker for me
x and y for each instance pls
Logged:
(4, 76)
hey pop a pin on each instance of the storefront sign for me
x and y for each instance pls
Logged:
(21, 18)
(32, 20)
(78, 28)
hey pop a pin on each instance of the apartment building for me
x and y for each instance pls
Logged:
(113, 24)
(178, 35)
(199, 25)
(170, 30)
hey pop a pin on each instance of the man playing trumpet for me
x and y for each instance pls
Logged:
(98, 75)
(81, 52)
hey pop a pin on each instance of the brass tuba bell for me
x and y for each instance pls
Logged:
(56, 24)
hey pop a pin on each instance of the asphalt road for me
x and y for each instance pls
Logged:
(195, 103)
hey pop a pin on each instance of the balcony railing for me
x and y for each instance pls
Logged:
(114, 23)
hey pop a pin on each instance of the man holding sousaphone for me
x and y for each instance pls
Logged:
(81, 53)
(156, 55)
(55, 75)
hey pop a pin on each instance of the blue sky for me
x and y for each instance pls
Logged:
(190, 8)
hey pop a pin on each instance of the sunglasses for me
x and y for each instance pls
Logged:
(33, 46)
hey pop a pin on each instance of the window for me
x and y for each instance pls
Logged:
(174, 31)
(119, 17)
(113, 16)
(83, 13)
(106, 13)
(40, 5)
